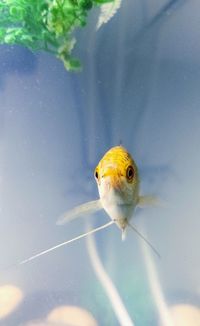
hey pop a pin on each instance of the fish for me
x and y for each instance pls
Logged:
(118, 183)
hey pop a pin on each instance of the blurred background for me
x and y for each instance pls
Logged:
(139, 87)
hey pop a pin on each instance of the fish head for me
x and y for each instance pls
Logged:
(118, 184)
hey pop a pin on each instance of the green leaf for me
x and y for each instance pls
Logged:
(45, 25)
(85, 4)
(72, 64)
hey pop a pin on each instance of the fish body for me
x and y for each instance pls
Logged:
(118, 185)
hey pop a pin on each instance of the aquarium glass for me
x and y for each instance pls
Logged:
(135, 84)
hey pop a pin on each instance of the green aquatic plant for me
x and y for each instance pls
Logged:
(45, 25)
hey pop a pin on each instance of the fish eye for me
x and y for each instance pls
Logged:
(130, 173)
(96, 174)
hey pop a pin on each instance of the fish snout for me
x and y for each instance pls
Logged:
(112, 179)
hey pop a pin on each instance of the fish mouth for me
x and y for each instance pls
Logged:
(116, 183)
(113, 183)
(113, 178)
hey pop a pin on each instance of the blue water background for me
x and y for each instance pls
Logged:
(139, 86)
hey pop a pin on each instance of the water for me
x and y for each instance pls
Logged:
(139, 86)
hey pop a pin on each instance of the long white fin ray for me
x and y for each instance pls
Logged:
(65, 243)
(86, 208)
(143, 238)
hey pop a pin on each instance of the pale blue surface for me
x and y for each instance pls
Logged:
(140, 86)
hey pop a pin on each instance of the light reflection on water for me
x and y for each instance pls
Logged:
(139, 86)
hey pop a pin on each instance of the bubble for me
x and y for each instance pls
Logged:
(10, 298)
(185, 314)
(75, 316)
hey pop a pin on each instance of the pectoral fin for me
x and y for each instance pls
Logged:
(148, 201)
(87, 208)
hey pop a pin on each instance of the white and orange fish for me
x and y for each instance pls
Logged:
(118, 184)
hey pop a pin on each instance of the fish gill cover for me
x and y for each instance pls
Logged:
(46, 24)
